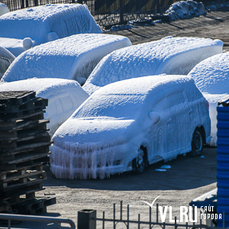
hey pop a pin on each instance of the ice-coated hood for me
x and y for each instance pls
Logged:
(101, 131)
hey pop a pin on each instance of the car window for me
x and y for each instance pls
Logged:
(117, 106)
(66, 102)
(175, 99)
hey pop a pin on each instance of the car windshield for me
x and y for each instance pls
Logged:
(125, 106)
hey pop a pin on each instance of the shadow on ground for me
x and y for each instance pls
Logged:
(187, 172)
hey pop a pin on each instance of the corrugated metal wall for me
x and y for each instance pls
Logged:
(223, 164)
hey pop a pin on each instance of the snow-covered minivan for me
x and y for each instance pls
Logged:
(64, 97)
(130, 124)
(25, 28)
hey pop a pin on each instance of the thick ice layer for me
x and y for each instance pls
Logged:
(6, 58)
(212, 78)
(185, 9)
(45, 23)
(105, 133)
(64, 97)
(213, 103)
(72, 57)
(168, 55)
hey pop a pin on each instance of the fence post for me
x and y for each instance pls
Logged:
(121, 11)
(87, 219)
(36, 2)
(73, 1)
(22, 4)
(27, 3)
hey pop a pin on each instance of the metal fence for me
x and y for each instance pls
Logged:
(87, 219)
(109, 12)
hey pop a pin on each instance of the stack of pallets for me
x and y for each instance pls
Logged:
(24, 148)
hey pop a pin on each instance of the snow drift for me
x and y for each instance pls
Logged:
(44, 23)
(72, 57)
(212, 78)
(168, 55)
(64, 97)
(185, 9)
(105, 133)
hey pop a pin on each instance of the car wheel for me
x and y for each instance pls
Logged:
(139, 163)
(197, 142)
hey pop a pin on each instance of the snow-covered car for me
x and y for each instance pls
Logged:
(22, 29)
(6, 58)
(168, 55)
(3, 9)
(72, 57)
(212, 78)
(129, 124)
(64, 97)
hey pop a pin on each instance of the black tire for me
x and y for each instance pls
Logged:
(197, 142)
(140, 162)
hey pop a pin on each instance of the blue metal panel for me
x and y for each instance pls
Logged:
(223, 163)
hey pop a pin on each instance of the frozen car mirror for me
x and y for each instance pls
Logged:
(27, 43)
(52, 36)
(154, 116)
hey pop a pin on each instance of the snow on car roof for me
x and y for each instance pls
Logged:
(42, 87)
(128, 97)
(37, 22)
(168, 55)
(212, 74)
(70, 58)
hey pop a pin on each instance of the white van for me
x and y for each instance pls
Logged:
(64, 97)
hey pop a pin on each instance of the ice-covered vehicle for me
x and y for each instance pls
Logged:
(212, 78)
(64, 97)
(22, 29)
(6, 58)
(168, 55)
(72, 57)
(129, 124)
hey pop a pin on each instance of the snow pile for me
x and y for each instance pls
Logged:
(106, 132)
(45, 23)
(72, 57)
(168, 55)
(6, 58)
(64, 96)
(3, 9)
(185, 9)
(212, 78)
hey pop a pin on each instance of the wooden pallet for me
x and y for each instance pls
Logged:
(34, 206)
(24, 142)
(16, 97)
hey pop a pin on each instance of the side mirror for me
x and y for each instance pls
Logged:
(154, 116)
(52, 36)
(27, 43)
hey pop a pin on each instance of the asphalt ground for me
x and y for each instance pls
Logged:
(188, 177)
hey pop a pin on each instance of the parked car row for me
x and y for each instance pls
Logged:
(138, 104)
